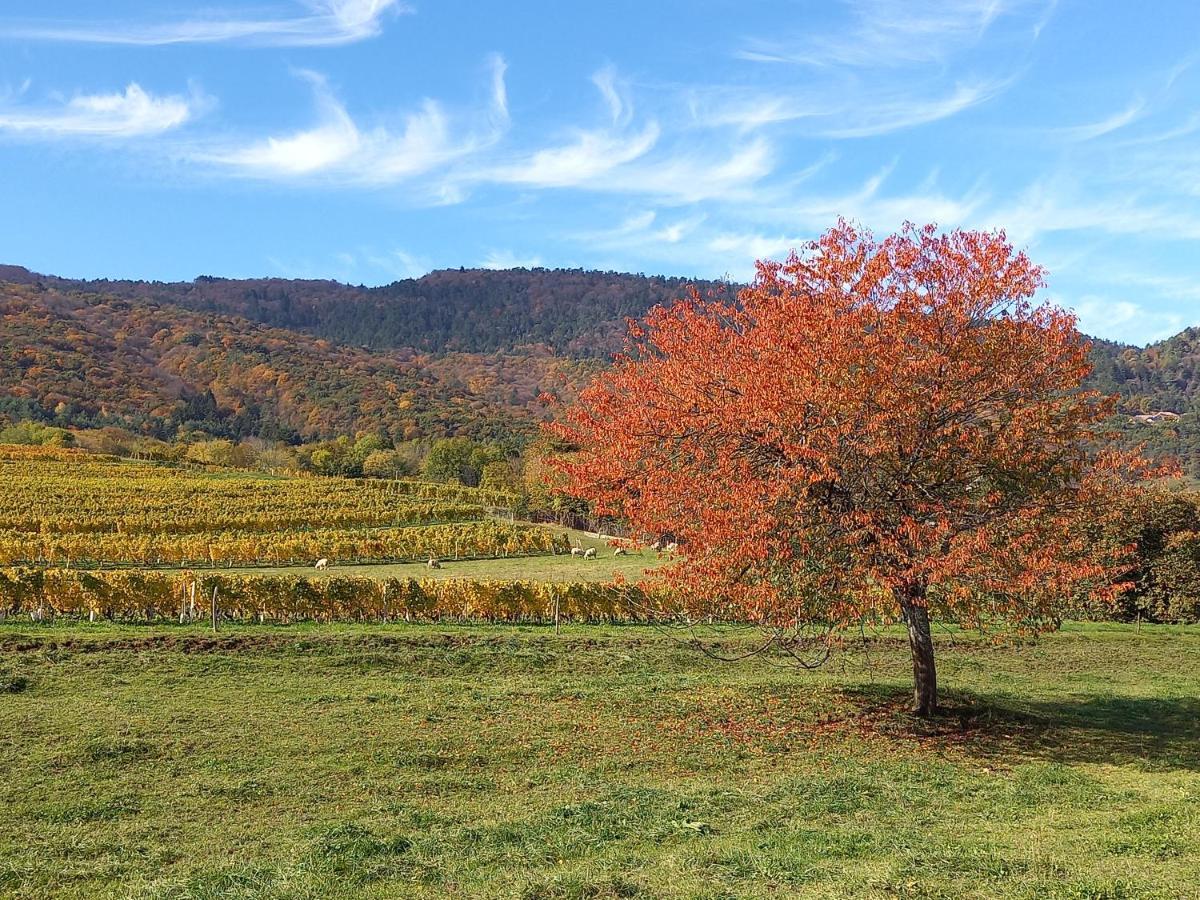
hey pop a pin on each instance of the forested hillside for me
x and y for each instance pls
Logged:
(1163, 377)
(86, 359)
(460, 351)
(569, 311)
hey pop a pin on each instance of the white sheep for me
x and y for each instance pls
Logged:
(620, 551)
(321, 563)
(577, 551)
(589, 553)
(671, 547)
(434, 563)
(657, 545)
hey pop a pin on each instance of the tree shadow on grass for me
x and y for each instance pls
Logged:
(1153, 733)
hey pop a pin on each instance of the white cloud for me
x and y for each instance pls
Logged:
(131, 113)
(838, 109)
(839, 82)
(459, 152)
(726, 238)
(332, 141)
(499, 89)
(637, 232)
(1125, 321)
(888, 33)
(394, 264)
(506, 259)
(687, 176)
(621, 157)
(908, 112)
(619, 107)
(742, 250)
(314, 23)
(1054, 205)
(337, 148)
(405, 264)
(872, 206)
(1115, 122)
(578, 162)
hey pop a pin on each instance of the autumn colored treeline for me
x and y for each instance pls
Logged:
(149, 596)
(1164, 526)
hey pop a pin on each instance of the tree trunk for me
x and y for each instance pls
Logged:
(920, 642)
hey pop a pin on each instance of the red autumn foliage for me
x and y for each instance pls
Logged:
(871, 429)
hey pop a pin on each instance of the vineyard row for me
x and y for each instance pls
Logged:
(459, 541)
(150, 596)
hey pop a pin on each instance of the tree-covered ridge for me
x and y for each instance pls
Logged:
(569, 311)
(86, 359)
(1163, 377)
(455, 351)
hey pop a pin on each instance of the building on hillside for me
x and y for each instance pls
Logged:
(1155, 418)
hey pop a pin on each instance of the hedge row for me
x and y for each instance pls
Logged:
(141, 595)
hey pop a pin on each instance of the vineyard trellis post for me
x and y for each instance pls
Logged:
(214, 608)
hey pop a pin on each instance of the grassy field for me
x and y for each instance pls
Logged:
(406, 761)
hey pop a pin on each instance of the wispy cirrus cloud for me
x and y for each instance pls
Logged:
(507, 259)
(889, 33)
(623, 155)
(1134, 322)
(340, 150)
(1107, 125)
(839, 81)
(841, 110)
(909, 112)
(607, 163)
(311, 23)
(778, 218)
(614, 94)
(133, 112)
(460, 151)
(1053, 205)
(589, 154)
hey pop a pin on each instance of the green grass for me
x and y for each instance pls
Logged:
(421, 761)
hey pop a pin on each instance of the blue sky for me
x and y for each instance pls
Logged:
(369, 140)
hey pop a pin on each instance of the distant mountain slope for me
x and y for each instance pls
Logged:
(1161, 377)
(92, 359)
(1165, 375)
(568, 311)
(461, 350)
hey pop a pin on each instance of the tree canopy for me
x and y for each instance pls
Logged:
(872, 431)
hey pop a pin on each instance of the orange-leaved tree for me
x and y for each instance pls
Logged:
(872, 431)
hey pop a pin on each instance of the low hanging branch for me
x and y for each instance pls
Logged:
(873, 431)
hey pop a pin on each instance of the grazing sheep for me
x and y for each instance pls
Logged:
(671, 547)
(577, 551)
(620, 551)
(589, 553)
(657, 545)
(434, 563)
(322, 563)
